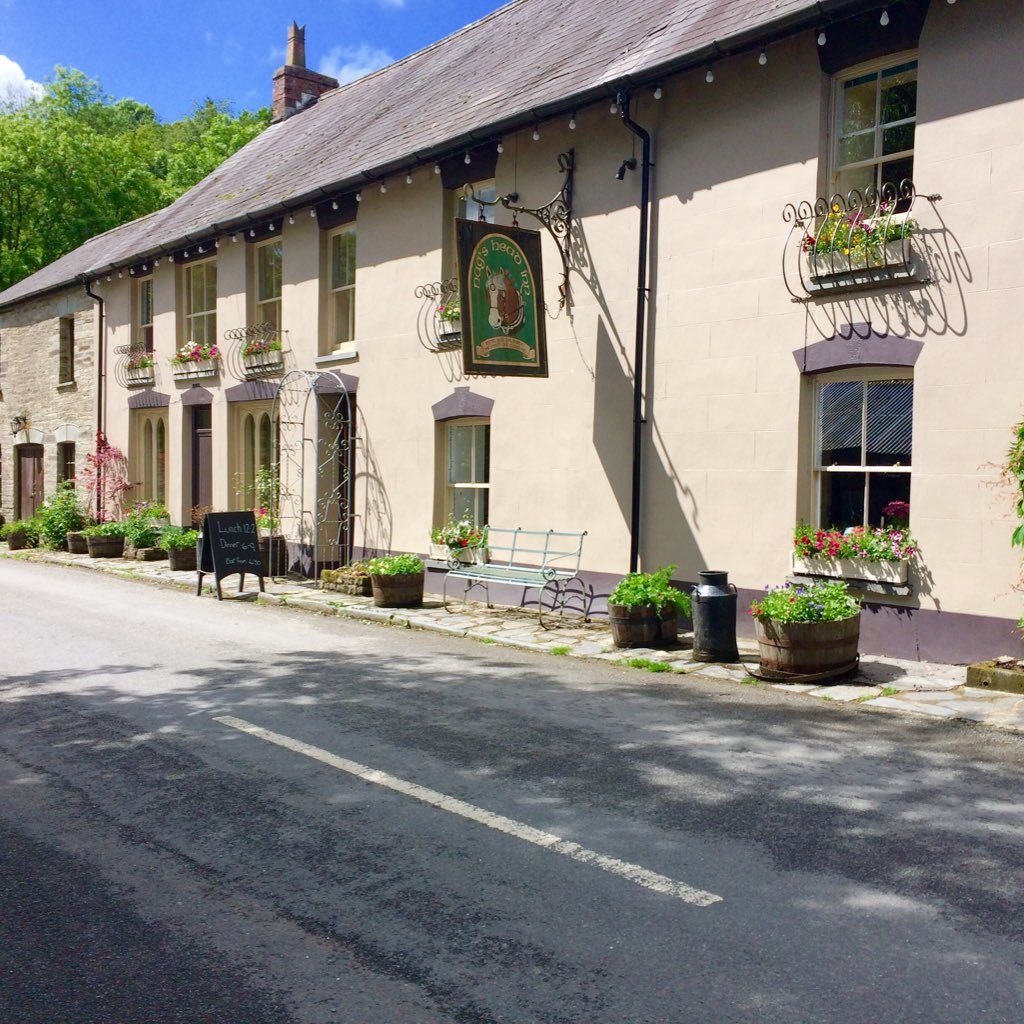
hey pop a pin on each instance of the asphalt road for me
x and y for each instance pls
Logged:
(229, 813)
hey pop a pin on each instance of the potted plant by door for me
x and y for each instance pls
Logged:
(397, 581)
(21, 533)
(106, 540)
(180, 545)
(807, 632)
(60, 515)
(644, 609)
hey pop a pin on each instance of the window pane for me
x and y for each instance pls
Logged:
(859, 179)
(471, 502)
(858, 104)
(840, 411)
(210, 283)
(343, 317)
(899, 93)
(470, 208)
(895, 171)
(854, 148)
(146, 302)
(161, 460)
(890, 418)
(842, 499)
(898, 139)
(883, 488)
(269, 283)
(343, 259)
(460, 454)
(265, 448)
(148, 461)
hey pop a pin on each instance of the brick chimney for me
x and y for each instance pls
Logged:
(294, 84)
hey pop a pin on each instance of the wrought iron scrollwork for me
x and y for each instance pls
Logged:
(859, 240)
(258, 351)
(555, 215)
(440, 299)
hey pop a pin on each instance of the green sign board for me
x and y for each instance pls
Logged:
(502, 301)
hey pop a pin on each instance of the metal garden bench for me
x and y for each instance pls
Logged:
(532, 559)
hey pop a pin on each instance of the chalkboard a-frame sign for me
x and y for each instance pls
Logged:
(230, 544)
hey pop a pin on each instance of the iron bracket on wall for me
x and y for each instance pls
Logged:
(555, 215)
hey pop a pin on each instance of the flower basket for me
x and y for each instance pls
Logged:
(853, 568)
(139, 376)
(195, 368)
(266, 361)
(399, 591)
(795, 649)
(464, 556)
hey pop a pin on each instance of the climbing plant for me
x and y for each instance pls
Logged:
(1013, 473)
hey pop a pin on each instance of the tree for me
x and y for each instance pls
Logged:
(75, 163)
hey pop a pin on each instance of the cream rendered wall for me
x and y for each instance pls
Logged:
(727, 455)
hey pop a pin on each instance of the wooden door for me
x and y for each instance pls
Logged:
(30, 479)
(202, 458)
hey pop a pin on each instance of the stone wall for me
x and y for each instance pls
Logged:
(30, 386)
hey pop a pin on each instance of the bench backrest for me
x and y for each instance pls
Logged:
(547, 549)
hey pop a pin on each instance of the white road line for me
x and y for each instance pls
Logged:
(634, 872)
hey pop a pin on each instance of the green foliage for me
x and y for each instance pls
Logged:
(59, 515)
(140, 530)
(1014, 472)
(560, 651)
(648, 664)
(820, 602)
(118, 528)
(29, 527)
(650, 588)
(76, 163)
(396, 565)
(459, 533)
(174, 537)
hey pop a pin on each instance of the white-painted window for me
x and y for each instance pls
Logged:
(875, 107)
(864, 432)
(150, 451)
(341, 315)
(268, 283)
(469, 470)
(142, 339)
(201, 302)
(462, 204)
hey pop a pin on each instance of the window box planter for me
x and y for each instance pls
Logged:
(140, 376)
(853, 568)
(465, 556)
(450, 331)
(195, 369)
(258, 363)
(893, 255)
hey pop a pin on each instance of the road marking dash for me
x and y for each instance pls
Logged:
(633, 872)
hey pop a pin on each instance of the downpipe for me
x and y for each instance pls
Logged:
(622, 99)
(100, 380)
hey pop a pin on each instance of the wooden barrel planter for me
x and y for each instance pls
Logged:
(105, 547)
(182, 559)
(643, 625)
(404, 591)
(17, 540)
(77, 544)
(823, 650)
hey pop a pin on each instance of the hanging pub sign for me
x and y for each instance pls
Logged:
(501, 299)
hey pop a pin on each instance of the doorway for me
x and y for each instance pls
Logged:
(202, 458)
(29, 479)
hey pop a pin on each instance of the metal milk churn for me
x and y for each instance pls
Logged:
(714, 618)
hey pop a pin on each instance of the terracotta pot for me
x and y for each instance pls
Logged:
(405, 591)
(105, 547)
(807, 648)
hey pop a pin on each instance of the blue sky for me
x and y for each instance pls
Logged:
(174, 54)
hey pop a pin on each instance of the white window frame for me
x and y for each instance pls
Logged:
(877, 160)
(451, 485)
(201, 313)
(267, 308)
(142, 328)
(347, 342)
(852, 375)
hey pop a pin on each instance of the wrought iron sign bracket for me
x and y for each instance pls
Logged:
(555, 215)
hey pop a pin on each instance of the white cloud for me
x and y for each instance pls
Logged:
(15, 88)
(347, 63)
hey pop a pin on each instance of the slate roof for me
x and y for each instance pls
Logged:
(525, 62)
